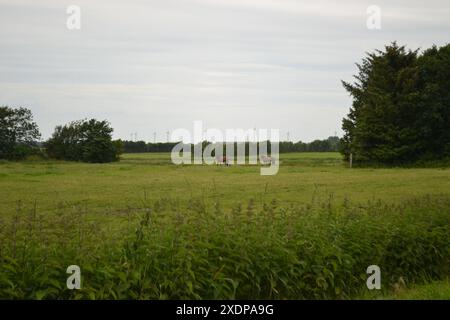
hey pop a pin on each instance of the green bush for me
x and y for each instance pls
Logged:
(84, 140)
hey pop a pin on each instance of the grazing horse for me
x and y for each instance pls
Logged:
(266, 160)
(222, 160)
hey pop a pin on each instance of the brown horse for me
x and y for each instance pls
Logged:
(222, 160)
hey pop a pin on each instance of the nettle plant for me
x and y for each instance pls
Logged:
(169, 249)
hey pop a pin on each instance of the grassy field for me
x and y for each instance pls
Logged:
(145, 228)
(116, 186)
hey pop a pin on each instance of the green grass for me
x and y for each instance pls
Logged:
(144, 228)
(119, 185)
(435, 290)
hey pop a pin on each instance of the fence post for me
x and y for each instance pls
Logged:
(351, 160)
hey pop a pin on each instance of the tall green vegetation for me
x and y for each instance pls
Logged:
(18, 133)
(84, 140)
(401, 107)
(169, 249)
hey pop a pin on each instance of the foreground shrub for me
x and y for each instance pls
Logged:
(169, 250)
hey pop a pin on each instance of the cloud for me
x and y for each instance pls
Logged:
(157, 65)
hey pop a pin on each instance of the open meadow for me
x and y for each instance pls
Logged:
(116, 186)
(145, 228)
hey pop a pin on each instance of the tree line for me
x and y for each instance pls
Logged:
(331, 144)
(90, 140)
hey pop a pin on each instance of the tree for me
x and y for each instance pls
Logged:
(84, 140)
(18, 133)
(434, 102)
(397, 97)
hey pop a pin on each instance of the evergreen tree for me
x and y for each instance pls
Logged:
(400, 106)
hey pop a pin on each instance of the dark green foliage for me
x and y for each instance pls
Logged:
(170, 250)
(331, 144)
(400, 111)
(84, 140)
(142, 146)
(18, 133)
(435, 102)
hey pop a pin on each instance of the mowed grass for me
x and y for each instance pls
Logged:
(119, 185)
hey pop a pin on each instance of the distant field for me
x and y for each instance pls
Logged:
(143, 228)
(119, 185)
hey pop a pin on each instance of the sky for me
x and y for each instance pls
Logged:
(151, 66)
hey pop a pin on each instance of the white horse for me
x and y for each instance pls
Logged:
(222, 160)
(266, 160)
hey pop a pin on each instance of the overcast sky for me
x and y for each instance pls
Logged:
(147, 65)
